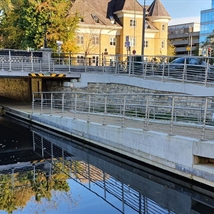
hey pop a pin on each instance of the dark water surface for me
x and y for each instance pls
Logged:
(44, 172)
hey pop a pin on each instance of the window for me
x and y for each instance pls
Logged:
(162, 44)
(95, 40)
(146, 44)
(112, 41)
(80, 40)
(80, 59)
(163, 27)
(132, 23)
(132, 42)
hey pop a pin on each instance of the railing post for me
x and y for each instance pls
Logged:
(116, 64)
(22, 65)
(105, 110)
(124, 110)
(89, 108)
(204, 119)
(172, 116)
(184, 70)
(41, 109)
(51, 103)
(145, 69)
(206, 72)
(130, 61)
(10, 61)
(63, 103)
(2, 65)
(40, 65)
(31, 61)
(75, 106)
(163, 71)
(85, 63)
(146, 113)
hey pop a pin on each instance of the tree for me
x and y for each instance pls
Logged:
(170, 49)
(31, 21)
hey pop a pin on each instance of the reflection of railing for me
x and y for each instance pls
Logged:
(86, 174)
(167, 113)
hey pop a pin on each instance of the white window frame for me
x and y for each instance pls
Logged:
(95, 40)
(80, 39)
(132, 22)
(112, 41)
(132, 42)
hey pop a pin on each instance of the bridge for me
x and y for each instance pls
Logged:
(163, 120)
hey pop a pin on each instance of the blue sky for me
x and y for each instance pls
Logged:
(183, 8)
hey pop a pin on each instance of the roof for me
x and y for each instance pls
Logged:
(91, 9)
(103, 10)
(132, 5)
(157, 9)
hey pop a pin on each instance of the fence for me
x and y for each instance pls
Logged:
(186, 69)
(169, 113)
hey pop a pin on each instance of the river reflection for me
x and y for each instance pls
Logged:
(41, 172)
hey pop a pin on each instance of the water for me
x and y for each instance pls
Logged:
(44, 172)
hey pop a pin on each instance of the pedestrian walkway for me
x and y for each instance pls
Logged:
(182, 129)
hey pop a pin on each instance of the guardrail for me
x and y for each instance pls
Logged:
(173, 114)
(160, 67)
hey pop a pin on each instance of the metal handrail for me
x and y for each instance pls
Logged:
(137, 110)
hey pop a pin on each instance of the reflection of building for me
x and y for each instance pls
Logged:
(207, 24)
(185, 38)
(115, 27)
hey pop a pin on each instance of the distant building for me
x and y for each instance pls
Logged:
(115, 27)
(185, 38)
(207, 28)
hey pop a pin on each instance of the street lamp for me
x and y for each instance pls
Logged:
(143, 28)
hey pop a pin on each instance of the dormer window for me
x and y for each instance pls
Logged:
(95, 17)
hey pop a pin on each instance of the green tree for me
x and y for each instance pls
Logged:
(27, 22)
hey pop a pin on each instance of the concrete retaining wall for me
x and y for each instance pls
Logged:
(172, 153)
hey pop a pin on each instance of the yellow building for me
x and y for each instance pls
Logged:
(115, 28)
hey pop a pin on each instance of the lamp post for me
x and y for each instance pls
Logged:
(143, 28)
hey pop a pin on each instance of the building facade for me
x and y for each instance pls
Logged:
(185, 38)
(207, 29)
(116, 28)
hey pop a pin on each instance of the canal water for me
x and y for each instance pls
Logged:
(45, 172)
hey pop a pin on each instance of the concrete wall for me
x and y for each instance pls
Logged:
(172, 153)
(15, 88)
(109, 83)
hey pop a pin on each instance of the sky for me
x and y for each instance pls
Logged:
(188, 10)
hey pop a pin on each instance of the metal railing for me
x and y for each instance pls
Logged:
(182, 115)
(201, 69)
